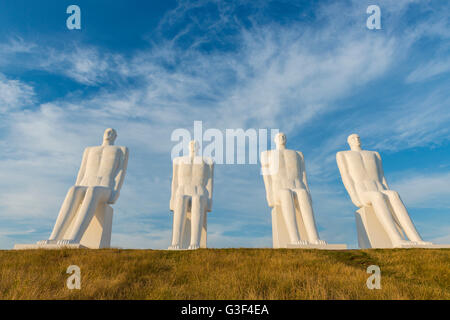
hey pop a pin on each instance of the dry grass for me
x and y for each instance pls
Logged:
(225, 274)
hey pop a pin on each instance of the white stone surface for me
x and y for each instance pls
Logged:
(191, 199)
(85, 218)
(288, 195)
(382, 220)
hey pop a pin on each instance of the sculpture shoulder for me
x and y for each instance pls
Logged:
(123, 149)
(87, 149)
(370, 153)
(376, 153)
(343, 154)
(91, 149)
(291, 153)
(301, 154)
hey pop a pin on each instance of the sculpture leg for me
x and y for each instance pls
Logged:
(179, 217)
(384, 215)
(307, 214)
(288, 211)
(68, 209)
(198, 209)
(403, 217)
(94, 196)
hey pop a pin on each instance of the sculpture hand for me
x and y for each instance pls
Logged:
(356, 201)
(112, 198)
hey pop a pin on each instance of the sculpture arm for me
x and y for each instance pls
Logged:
(303, 168)
(267, 178)
(381, 172)
(174, 184)
(82, 167)
(120, 176)
(210, 184)
(347, 180)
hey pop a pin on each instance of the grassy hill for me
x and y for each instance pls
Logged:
(225, 274)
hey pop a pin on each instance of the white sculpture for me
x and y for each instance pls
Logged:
(287, 192)
(85, 218)
(191, 199)
(382, 220)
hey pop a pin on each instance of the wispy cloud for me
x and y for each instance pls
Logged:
(430, 191)
(429, 70)
(14, 94)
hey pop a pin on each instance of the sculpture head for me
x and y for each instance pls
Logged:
(193, 148)
(354, 142)
(109, 136)
(280, 140)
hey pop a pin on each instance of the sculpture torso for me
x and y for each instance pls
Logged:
(102, 166)
(193, 175)
(365, 170)
(289, 173)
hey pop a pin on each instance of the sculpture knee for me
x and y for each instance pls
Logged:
(74, 190)
(392, 194)
(376, 196)
(371, 197)
(98, 192)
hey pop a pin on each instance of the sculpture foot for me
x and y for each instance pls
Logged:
(422, 243)
(301, 242)
(319, 242)
(193, 247)
(174, 247)
(402, 243)
(43, 242)
(65, 242)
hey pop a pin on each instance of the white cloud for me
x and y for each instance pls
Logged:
(14, 94)
(86, 65)
(425, 191)
(429, 70)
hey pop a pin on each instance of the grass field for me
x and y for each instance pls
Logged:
(225, 274)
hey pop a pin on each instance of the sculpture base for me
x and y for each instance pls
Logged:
(96, 236)
(425, 246)
(318, 246)
(371, 234)
(49, 246)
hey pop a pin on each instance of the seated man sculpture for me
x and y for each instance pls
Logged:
(382, 220)
(287, 192)
(98, 184)
(191, 199)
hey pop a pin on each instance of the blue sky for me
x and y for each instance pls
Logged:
(309, 68)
